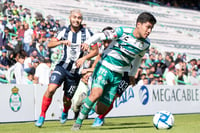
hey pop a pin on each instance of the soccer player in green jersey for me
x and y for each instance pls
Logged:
(129, 45)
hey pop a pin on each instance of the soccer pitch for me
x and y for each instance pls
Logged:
(188, 123)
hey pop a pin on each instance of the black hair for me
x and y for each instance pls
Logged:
(146, 17)
(6, 28)
(107, 28)
(47, 61)
(21, 56)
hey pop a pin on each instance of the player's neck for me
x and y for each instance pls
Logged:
(136, 34)
(75, 29)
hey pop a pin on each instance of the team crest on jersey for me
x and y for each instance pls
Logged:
(141, 45)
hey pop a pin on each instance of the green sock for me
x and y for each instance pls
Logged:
(86, 106)
(94, 105)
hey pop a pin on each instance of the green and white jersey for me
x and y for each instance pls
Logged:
(124, 50)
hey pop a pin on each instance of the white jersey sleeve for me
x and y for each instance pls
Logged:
(135, 65)
(61, 34)
(106, 35)
(95, 38)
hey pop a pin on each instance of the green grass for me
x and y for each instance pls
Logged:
(189, 123)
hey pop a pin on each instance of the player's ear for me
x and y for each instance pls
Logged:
(138, 24)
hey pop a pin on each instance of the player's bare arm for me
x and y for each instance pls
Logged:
(86, 77)
(93, 52)
(55, 42)
(84, 47)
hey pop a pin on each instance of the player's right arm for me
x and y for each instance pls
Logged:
(55, 42)
(91, 69)
(60, 39)
(88, 71)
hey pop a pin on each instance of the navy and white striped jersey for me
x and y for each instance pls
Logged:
(71, 53)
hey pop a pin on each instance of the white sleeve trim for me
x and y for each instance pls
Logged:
(95, 38)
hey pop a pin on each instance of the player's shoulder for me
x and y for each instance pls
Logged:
(62, 30)
(124, 29)
(147, 41)
(89, 30)
(86, 30)
(65, 28)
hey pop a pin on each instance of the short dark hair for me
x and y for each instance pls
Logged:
(146, 17)
(47, 61)
(107, 28)
(21, 56)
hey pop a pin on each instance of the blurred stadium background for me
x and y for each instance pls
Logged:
(177, 29)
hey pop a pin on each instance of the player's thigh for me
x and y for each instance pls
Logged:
(56, 79)
(101, 76)
(108, 94)
(95, 94)
(58, 76)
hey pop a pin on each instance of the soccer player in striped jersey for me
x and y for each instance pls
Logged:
(129, 45)
(70, 38)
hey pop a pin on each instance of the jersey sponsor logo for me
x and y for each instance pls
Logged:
(128, 39)
(102, 72)
(129, 52)
(144, 95)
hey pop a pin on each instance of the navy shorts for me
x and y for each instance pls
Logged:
(71, 80)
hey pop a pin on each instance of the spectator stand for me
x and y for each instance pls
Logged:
(174, 24)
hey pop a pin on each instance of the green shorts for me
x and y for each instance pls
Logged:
(107, 80)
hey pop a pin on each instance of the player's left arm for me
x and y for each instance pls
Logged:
(105, 35)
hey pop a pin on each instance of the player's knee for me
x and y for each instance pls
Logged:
(51, 90)
(95, 93)
(66, 101)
